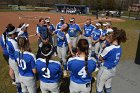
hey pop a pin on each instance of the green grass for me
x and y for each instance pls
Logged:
(129, 51)
(132, 14)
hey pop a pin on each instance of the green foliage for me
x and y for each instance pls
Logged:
(73, 2)
(110, 4)
(103, 4)
(98, 4)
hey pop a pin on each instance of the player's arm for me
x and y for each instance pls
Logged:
(83, 30)
(37, 32)
(101, 58)
(104, 54)
(79, 30)
(33, 64)
(69, 44)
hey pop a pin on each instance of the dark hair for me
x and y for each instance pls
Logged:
(83, 46)
(22, 44)
(46, 52)
(9, 28)
(41, 19)
(119, 35)
(20, 25)
(67, 27)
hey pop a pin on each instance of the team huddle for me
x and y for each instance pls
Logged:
(94, 48)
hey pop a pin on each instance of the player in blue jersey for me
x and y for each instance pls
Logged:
(95, 39)
(51, 29)
(26, 66)
(11, 46)
(110, 58)
(49, 71)
(87, 32)
(63, 43)
(22, 31)
(3, 39)
(74, 30)
(62, 21)
(81, 68)
(103, 38)
(3, 42)
(43, 35)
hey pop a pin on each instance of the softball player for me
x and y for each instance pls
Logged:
(11, 46)
(51, 29)
(95, 39)
(26, 66)
(3, 42)
(87, 31)
(49, 71)
(73, 32)
(81, 68)
(62, 21)
(3, 45)
(103, 39)
(110, 58)
(63, 42)
(42, 33)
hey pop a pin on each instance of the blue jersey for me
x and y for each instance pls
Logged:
(11, 46)
(22, 33)
(26, 63)
(104, 32)
(53, 73)
(111, 56)
(61, 38)
(76, 66)
(59, 25)
(96, 34)
(73, 30)
(52, 28)
(3, 45)
(42, 30)
(88, 30)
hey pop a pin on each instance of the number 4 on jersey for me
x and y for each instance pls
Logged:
(82, 72)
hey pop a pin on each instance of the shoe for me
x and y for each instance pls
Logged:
(97, 69)
(13, 83)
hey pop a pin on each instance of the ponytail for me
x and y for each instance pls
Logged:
(47, 63)
(86, 61)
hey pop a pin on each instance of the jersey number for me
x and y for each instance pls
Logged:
(22, 64)
(117, 57)
(82, 73)
(47, 74)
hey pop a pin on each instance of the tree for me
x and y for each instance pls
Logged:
(73, 2)
(98, 4)
(110, 4)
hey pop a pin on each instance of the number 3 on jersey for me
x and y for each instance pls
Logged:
(47, 74)
(82, 72)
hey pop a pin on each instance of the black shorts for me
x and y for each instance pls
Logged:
(6, 57)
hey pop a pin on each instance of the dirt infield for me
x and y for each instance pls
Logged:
(16, 18)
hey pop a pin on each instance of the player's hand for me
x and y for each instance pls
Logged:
(72, 54)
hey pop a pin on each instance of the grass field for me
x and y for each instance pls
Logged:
(129, 51)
